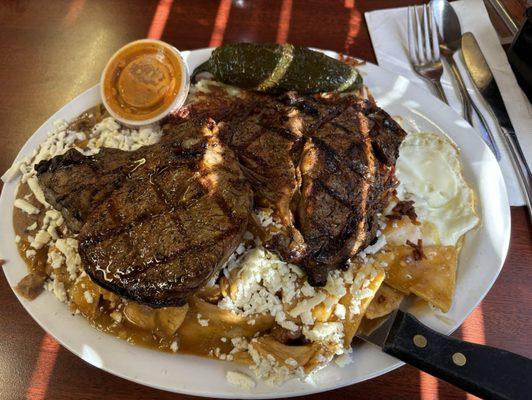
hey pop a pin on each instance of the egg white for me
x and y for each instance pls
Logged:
(430, 174)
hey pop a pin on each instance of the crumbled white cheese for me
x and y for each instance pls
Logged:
(229, 265)
(88, 297)
(109, 133)
(335, 285)
(53, 219)
(202, 321)
(268, 369)
(307, 304)
(28, 208)
(325, 332)
(31, 227)
(30, 253)
(37, 191)
(266, 218)
(343, 359)
(307, 318)
(57, 142)
(280, 319)
(41, 239)
(339, 311)
(12, 171)
(240, 379)
(374, 248)
(17, 239)
(359, 289)
(58, 289)
(239, 344)
(55, 259)
(263, 284)
(308, 290)
(261, 276)
(291, 362)
(116, 316)
(69, 248)
(174, 346)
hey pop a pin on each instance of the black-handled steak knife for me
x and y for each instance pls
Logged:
(484, 371)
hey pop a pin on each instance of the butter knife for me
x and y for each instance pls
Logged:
(483, 80)
(484, 371)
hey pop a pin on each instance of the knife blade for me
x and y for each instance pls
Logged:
(484, 82)
(481, 370)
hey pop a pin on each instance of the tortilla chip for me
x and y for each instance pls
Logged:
(353, 318)
(386, 300)
(432, 278)
(198, 338)
(368, 326)
(304, 355)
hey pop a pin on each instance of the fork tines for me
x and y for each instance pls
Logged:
(423, 44)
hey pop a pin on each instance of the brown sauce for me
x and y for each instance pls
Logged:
(142, 80)
(21, 221)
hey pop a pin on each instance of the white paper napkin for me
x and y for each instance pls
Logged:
(388, 31)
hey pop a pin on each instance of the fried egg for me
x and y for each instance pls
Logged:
(430, 174)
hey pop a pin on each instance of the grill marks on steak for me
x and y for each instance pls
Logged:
(155, 224)
(73, 183)
(333, 207)
(348, 176)
(326, 167)
(175, 212)
(268, 151)
(268, 139)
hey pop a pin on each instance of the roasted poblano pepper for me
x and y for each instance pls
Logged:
(274, 68)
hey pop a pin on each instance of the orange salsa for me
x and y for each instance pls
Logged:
(142, 80)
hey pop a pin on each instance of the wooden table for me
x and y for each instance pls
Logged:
(54, 50)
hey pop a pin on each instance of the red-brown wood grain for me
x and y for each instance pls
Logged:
(515, 8)
(53, 50)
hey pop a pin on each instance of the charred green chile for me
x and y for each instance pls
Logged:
(274, 68)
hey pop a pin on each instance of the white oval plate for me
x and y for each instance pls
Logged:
(480, 262)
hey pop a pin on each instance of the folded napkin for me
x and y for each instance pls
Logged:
(388, 31)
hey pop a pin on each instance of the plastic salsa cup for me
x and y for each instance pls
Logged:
(144, 81)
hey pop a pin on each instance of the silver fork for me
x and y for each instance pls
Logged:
(424, 47)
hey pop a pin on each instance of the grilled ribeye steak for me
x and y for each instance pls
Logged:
(347, 168)
(74, 184)
(324, 165)
(158, 222)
